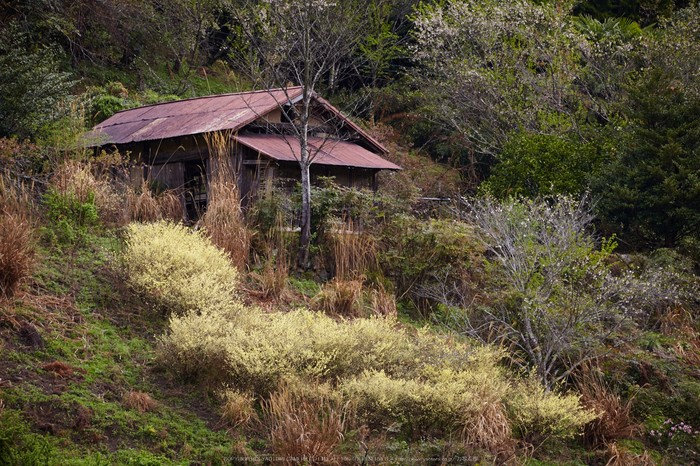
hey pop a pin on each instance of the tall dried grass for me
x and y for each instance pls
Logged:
(273, 274)
(350, 252)
(145, 206)
(617, 456)
(382, 303)
(614, 420)
(237, 410)
(224, 219)
(305, 429)
(17, 246)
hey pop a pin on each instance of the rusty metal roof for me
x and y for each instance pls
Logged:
(323, 151)
(191, 116)
(204, 115)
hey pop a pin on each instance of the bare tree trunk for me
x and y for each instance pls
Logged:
(305, 234)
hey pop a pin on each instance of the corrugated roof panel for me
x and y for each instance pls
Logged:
(217, 113)
(327, 152)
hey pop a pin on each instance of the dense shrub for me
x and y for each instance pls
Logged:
(258, 350)
(538, 414)
(178, 270)
(540, 165)
(413, 252)
(420, 381)
(467, 401)
(650, 193)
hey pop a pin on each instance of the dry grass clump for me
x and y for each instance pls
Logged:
(340, 297)
(382, 303)
(143, 205)
(17, 246)
(224, 219)
(351, 253)
(83, 183)
(272, 277)
(139, 401)
(617, 456)
(178, 270)
(305, 429)
(614, 420)
(237, 409)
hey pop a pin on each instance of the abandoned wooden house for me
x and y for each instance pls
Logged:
(168, 143)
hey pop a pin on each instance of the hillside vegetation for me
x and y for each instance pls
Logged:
(525, 291)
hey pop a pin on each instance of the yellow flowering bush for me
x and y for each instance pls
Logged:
(178, 270)
(418, 379)
(467, 401)
(538, 414)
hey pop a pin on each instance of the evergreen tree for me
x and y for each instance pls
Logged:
(651, 193)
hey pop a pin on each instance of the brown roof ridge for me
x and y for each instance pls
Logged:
(352, 124)
(210, 96)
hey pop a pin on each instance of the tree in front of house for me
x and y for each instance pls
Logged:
(303, 43)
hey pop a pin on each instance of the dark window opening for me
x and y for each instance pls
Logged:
(195, 189)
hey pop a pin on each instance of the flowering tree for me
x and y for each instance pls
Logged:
(558, 301)
(492, 67)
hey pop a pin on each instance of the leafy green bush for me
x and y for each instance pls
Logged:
(178, 270)
(70, 218)
(534, 165)
(414, 252)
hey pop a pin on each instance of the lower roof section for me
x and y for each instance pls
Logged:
(285, 148)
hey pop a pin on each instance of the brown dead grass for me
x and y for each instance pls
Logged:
(61, 369)
(145, 206)
(340, 297)
(614, 420)
(17, 239)
(237, 410)
(17, 252)
(139, 401)
(382, 303)
(273, 273)
(224, 219)
(350, 252)
(617, 456)
(490, 430)
(305, 429)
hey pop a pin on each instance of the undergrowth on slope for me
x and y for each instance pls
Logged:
(85, 393)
